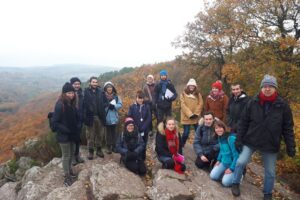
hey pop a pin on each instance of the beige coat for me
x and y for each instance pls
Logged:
(190, 105)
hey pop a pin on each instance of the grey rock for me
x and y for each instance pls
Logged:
(24, 163)
(8, 191)
(75, 192)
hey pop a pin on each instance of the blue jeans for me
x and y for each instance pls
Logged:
(269, 161)
(186, 132)
(218, 172)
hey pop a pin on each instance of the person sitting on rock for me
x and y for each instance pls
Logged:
(169, 146)
(227, 157)
(131, 147)
(206, 144)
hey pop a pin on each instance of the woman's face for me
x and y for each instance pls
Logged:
(170, 125)
(130, 128)
(219, 130)
(191, 88)
(140, 101)
(70, 95)
(215, 90)
(109, 90)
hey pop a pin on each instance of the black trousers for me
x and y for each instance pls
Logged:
(136, 166)
(212, 159)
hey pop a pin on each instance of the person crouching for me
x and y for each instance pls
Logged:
(131, 147)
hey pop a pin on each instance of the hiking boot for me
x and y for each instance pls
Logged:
(91, 154)
(73, 175)
(100, 152)
(267, 196)
(68, 181)
(79, 159)
(74, 161)
(235, 189)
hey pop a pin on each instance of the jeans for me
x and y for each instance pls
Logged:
(186, 132)
(269, 161)
(218, 172)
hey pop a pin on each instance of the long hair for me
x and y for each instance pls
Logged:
(194, 92)
(63, 97)
(221, 124)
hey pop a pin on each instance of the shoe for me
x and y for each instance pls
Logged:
(79, 159)
(235, 189)
(267, 196)
(74, 161)
(109, 150)
(150, 134)
(68, 181)
(72, 174)
(100, 152)
(91, 154)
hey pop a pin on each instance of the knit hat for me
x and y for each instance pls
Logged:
(217, 84)
(67, 88)
(269, 80)
(108, 83)
(150, 76)
(74, 79)
(163, 73)
(128, 120)
(192, 82)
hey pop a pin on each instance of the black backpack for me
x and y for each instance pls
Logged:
(51, 123)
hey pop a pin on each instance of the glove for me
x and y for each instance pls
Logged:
(291, 153)
(111, 107)
(194, 116)
(238, 145)
(131, 155)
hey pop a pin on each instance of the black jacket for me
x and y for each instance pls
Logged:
(80, 104)
(264, 131)
(160, 101)
(93, 105)
(235, 108)
(66, 122)
(161, 146)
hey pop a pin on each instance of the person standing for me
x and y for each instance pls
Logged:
(76, 83)
(266, 119)
(112, 104)
(191, 108)
(94, 118)
(217, 101)
(236, 104)
(165, 94)
(67, 125)
(148, 90)
(141, 114)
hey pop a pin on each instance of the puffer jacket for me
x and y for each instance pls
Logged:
(190, 104)
(161, 145)
(265, 131)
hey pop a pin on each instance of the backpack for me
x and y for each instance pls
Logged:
(50, 120)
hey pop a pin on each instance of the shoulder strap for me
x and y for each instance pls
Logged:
(148, 90)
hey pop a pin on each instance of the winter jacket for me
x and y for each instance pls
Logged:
(112, 115)
(122, 148)
(228, 154)
(149, 93)
(79, 95)
(66, 122)
(141, 115)
(235, 108)
(93, 105)
(205, 143)
(264, 131)
(159, 96)
(190, 104)
(161, 145)
(218, 107)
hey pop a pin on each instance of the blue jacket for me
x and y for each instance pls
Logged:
(205, 142)
(228, 154)
(159, 95)
(112, 116)
(141, 115)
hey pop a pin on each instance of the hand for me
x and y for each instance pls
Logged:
(204, 159)
(111, 106)
(228, 171)
(217, 163)
(194, 116)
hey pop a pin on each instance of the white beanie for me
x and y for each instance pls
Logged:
(192, 82)
(108, 83)
(150, 76)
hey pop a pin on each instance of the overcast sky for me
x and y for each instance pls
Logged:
(113, 33)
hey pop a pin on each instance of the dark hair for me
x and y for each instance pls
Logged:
(195, 92)
(63, 97)
(235, 84)
(92, 78)
(209, 113)
(140, 94)
(220, 123)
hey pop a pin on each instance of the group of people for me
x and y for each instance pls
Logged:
(227, 130)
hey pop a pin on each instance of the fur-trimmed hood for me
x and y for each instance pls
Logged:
(201, 121)
(161, 128)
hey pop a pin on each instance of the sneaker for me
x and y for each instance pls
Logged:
(235, 189)
(267, 196)
(68, 181)
(79, 159)
(100, 153)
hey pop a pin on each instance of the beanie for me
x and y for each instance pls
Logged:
(74, 79)
(217, 84)
(163, 73)
(269, 80)
(108, 83)
(150, 76)
(128, 120)
(67, 88)
(192, 82)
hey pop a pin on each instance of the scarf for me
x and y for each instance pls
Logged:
(109, 96)
(217, 96)
(172, 141)
(131, 139)
(164, 84)
(263, 99)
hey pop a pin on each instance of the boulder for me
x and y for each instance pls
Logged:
(8, 191)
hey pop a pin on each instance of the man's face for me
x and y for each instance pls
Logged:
(208, 120)
(163, 78)
(76, 85)
(268, 90)
(94, 83)
(236, 90)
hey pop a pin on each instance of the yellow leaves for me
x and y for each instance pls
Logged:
(285, 43)
(231, 72)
